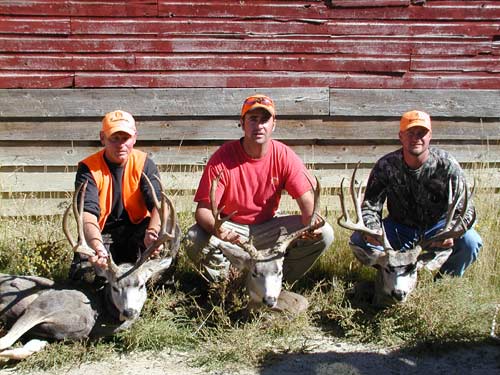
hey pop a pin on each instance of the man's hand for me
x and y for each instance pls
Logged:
(149, 237)
(371, 240)
(228, 235)
(444, 244)
(312, 234)
(101, 258)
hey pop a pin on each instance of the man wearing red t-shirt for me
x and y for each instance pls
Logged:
(254, 170)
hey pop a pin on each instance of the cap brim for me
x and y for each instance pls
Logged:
(259, 105)
(119, 128)
(416, 123)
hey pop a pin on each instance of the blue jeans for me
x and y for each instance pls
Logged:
(402, 237)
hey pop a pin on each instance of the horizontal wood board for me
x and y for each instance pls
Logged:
(178, 44)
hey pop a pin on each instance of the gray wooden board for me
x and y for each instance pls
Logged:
(443, 103)
(227, 102)
(69, 155)
(210, 129)
(156, 102)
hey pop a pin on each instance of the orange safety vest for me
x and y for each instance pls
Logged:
(132, 197)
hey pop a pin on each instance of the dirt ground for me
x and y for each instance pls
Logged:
(327, 357)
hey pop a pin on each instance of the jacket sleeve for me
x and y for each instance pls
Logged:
(91, 201)
(374, 199)
(150, 170)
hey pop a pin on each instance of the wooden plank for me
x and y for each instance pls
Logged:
(182, 203)
(204, 62)
(249, 80)
(169, 156)
(289, 79)
(489, 64)
(157, 102)
(325, 130)
(36, 80)
(34, 25)
(367, 3)
(458, 103)
(443, 10)
(275, 27)
(417, 80)
(115, 8)
(53, 182)
(57, 182)
(357, 45)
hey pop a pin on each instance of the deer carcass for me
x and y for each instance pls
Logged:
(263, 268)
(397, 269)
(47, 310)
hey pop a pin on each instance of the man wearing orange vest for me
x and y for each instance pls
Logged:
(119, 214)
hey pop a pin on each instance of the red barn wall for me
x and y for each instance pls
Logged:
(237, 44)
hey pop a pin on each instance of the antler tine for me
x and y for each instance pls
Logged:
(249, 247)
(161, 207)
(163, 235)
(345, 220)
(81, 245)
(216, 212)
(284, 240)
(454, 199)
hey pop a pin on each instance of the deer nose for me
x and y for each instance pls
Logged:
(399, 295)
(130, 313)
(270, 301)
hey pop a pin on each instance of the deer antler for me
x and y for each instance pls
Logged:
(345, 220)
(459, 227)
(317, 221)
(216, 212)
(81, 245)
(163, 234)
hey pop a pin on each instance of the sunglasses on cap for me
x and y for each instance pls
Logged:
(259, 99)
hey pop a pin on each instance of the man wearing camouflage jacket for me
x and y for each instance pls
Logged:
(414, 181)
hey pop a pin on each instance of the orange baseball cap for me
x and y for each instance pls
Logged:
(414, 118)
(118, 121)
(258, 101)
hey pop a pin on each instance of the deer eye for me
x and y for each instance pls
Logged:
(115, 289)
(411, 268)
(254, 274)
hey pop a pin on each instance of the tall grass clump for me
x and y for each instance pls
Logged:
(34, 246)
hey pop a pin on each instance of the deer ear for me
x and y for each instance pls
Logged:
(238, 257)
(367, 257)
(433, 260)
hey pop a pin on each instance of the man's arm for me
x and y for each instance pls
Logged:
(93, 237)
(205, 218)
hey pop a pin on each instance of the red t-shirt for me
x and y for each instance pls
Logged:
(252, 187)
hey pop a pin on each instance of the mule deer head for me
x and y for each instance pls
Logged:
(126, 283)
(396, 269)
(263, 267)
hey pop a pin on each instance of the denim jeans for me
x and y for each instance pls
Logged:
(402, 237)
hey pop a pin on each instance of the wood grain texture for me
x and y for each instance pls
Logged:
(62, 156)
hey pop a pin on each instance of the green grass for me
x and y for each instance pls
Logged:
(211, 325)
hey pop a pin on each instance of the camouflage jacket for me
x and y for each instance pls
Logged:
(416, 198)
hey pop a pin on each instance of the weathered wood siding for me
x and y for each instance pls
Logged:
(257, 43)
(342, 72)
(44, 133)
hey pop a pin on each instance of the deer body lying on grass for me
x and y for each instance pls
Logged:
(45, 309)
(263, 268)
(397, 270)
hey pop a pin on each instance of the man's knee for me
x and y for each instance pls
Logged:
(195, 240)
